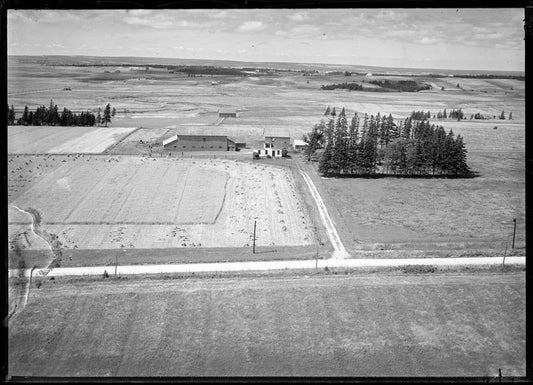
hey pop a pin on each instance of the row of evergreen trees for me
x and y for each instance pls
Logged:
(50, 116)
(378, 145)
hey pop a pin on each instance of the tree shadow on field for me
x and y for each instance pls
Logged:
(471, 175)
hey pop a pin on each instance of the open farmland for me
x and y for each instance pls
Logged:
(442, 324)
(130, 203)
(279, 102)
(63, 140)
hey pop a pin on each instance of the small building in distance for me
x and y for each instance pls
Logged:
(227, 113)
(275, 146)
(299, 145)
(187, 142)
(369, 75)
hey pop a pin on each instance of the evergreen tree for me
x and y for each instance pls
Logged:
(10, 115)
(352, 145)
(502, 115)
(444, 114)
(328, 111)
(25, 120)
(461, 167)
(113, 112)
(99, 116)
(510, 115)
(325, 163)
(107, 115)
(340, 148)
(333, 113)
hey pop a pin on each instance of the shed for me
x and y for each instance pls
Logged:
(227, 113)
(369, 75)
(299, 145)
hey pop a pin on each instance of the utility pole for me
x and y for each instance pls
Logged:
(514, 231)
(255, 223)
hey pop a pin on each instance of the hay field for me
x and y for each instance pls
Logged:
(63, 140)
(440, 324)
(129, 202)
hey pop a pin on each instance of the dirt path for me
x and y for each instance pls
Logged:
(340, 251)
(19, 305)
(275, 265)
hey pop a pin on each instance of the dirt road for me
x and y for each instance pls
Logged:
(339, 250)
(273, 265)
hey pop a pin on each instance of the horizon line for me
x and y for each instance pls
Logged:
(273, 61)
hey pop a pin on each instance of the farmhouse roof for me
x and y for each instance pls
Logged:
(299, 142)
(227, 111)
(231, 139)
(277, 135)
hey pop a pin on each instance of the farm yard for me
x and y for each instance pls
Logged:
(440, 324)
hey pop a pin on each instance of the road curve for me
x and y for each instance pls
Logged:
(339, 250)
(273, 265)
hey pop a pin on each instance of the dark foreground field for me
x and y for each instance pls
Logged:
(392, 324)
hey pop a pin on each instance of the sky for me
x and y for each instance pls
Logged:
(470, 39)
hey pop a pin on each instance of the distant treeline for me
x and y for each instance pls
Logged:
(188, 69)
(385, 85)
(343, 86)
(50, 116)
(401, 85)
(377, 145)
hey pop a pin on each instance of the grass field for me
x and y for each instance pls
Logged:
(376, 325)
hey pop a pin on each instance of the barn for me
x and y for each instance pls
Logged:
(227, 113)
(186, 142)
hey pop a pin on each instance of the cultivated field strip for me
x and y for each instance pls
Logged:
(93, 142)
(63, 140)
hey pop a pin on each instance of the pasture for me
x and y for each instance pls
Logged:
(440, 324)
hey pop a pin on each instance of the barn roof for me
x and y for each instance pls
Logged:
(231, 139)
(227, 111)
(299, 142)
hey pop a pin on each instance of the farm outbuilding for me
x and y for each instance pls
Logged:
(369, 75)
(181, 142)
(227, 113)
(299, 145)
